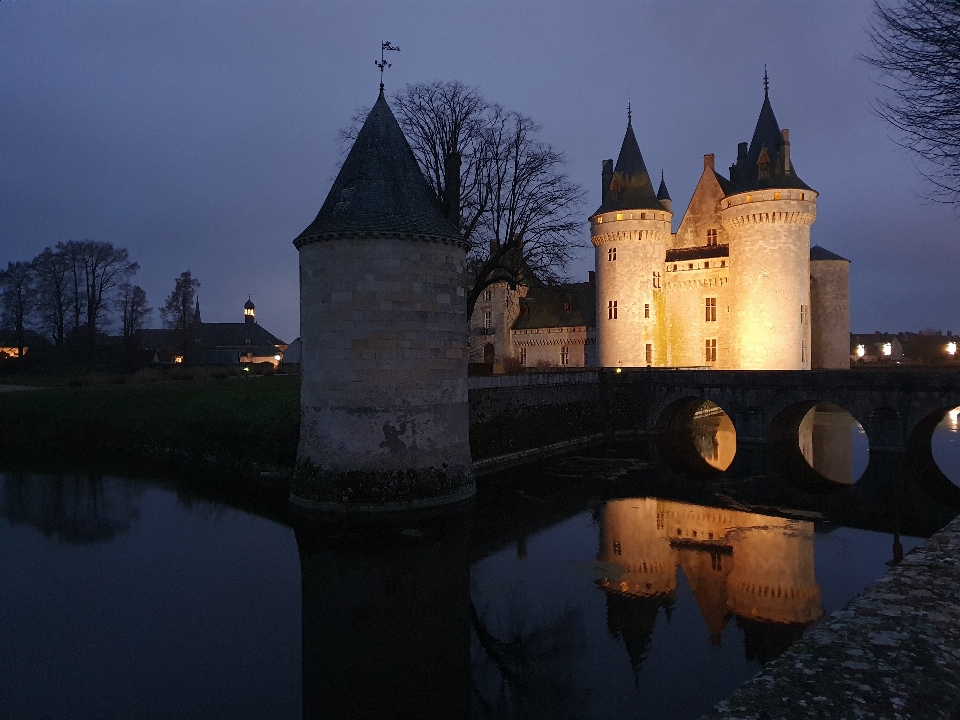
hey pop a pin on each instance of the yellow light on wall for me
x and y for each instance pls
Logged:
(178, 359)
(887, 349)
(951, 348)
(619, 216)
(277, 358)
(861, 351)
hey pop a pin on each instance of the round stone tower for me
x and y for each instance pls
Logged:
(630, 231)
(384, 415)
(768, 217)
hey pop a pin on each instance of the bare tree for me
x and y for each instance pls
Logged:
(134, 310)
(178, 310)
(517, 209)
(16, 300)
(96, 270)
(52, 273)
(916, 45)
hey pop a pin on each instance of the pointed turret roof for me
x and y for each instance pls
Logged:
(380, 187)
(821, 253)
(745, 174)
(630, 187)
(663, 193)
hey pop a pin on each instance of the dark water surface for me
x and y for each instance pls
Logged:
(608, 583)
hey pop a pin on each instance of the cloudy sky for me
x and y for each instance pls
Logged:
(202, 134)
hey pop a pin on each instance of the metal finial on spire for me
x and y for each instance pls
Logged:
(383, 64)
(766, 80)
(629, 113)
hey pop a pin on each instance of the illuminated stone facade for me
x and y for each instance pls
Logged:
(731, 289)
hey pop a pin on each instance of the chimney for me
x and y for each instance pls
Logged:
(708, 162)
(451, 181)
(494, 245)
(606, 177)
(785, 150)
(592, 277)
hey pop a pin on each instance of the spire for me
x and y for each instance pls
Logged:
(380, 187)
(662, 193)
(769, 149)
(766, 82)
(630, 187)
(196, 312)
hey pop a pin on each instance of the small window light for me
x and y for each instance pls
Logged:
(643, 216)
(749, 198)
(776, 196)
(619, 216)
(887, 349)
(861, 351)
(801, 196)
(951, 348)
(599, 219)
(277, 358)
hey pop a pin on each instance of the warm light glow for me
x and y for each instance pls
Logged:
(618, 371)
(951, 348)
(887, 349)
(599, 220)
(246, 369)
(277, 358)
(861, 350)
(248, 311)
(619, 216)
(178, 359)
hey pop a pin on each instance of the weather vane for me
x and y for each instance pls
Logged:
(383, 64)
(766, 80)
(629, 112)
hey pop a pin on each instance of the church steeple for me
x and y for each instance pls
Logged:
(629, 186)
(249, 311)
(196, 312)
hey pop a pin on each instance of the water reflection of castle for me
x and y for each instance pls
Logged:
(757, 568)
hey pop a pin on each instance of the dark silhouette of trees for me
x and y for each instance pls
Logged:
(916, 45)
(16, 300)
(104, 269)
(51, 272)
(517, 209)
(134, 310)
(178, 310)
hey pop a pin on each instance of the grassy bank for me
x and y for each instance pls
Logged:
(247, 423)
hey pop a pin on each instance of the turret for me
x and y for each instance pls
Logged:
(249, 311)
(383, 323)
(767, 216)
(630, 231)
(663, 195)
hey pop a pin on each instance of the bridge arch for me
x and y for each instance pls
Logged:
(926, 471)
(683, 448)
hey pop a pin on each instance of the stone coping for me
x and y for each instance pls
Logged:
(561, 377)
(893, 652)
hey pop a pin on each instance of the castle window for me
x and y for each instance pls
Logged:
(674, 267)
(488, 320)
(723, 263)
(646, 310)
(801, 196)
(526, 310)
(689, 266)
(749, 198)
(706, 265)
(803, 314)
(711, 309)
(656, 280)
(523, 356)
(599, 220)
(711, 237)
(611, 310)
(488, 295)
(611, 254)
(776, 196)
(649, 354)
(710, 354)
(567, 307)
(803, 351)
(564, 355)
(619, 216)
(643, 216)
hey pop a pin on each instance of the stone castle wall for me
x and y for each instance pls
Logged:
(640, 239)
(830, 313)
(703, 212)
(687, 326)
(384, 391)
(770, 284)
(504, 308)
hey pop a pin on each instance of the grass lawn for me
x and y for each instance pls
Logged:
(220, 423)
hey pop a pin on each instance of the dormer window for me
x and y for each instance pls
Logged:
(763, 165)
(567, 307)
(712, 237)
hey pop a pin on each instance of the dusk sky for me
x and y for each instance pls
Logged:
(202, 135)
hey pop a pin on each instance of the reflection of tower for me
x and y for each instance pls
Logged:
(386, 621)
(826, 442)
(773, 571)
(635, 553)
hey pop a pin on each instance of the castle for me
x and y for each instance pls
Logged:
(736, 287)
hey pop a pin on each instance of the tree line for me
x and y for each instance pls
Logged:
(77, 290)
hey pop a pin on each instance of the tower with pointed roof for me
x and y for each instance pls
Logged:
(767, 216)
(630, 232)
(384, 414)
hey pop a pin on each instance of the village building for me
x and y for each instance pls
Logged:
(216, 343)
(736, 287)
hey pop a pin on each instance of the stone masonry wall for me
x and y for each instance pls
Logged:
(687, 327)
(830, 313)
(770, 283)
(384, 377)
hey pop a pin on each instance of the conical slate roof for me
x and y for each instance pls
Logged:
(380, 187)
(745, 175)
(630, 187)
(821, 253)
(663, 193)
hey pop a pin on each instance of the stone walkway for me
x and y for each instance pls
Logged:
(893, 652)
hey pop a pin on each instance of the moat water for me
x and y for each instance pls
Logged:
(612, 582)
